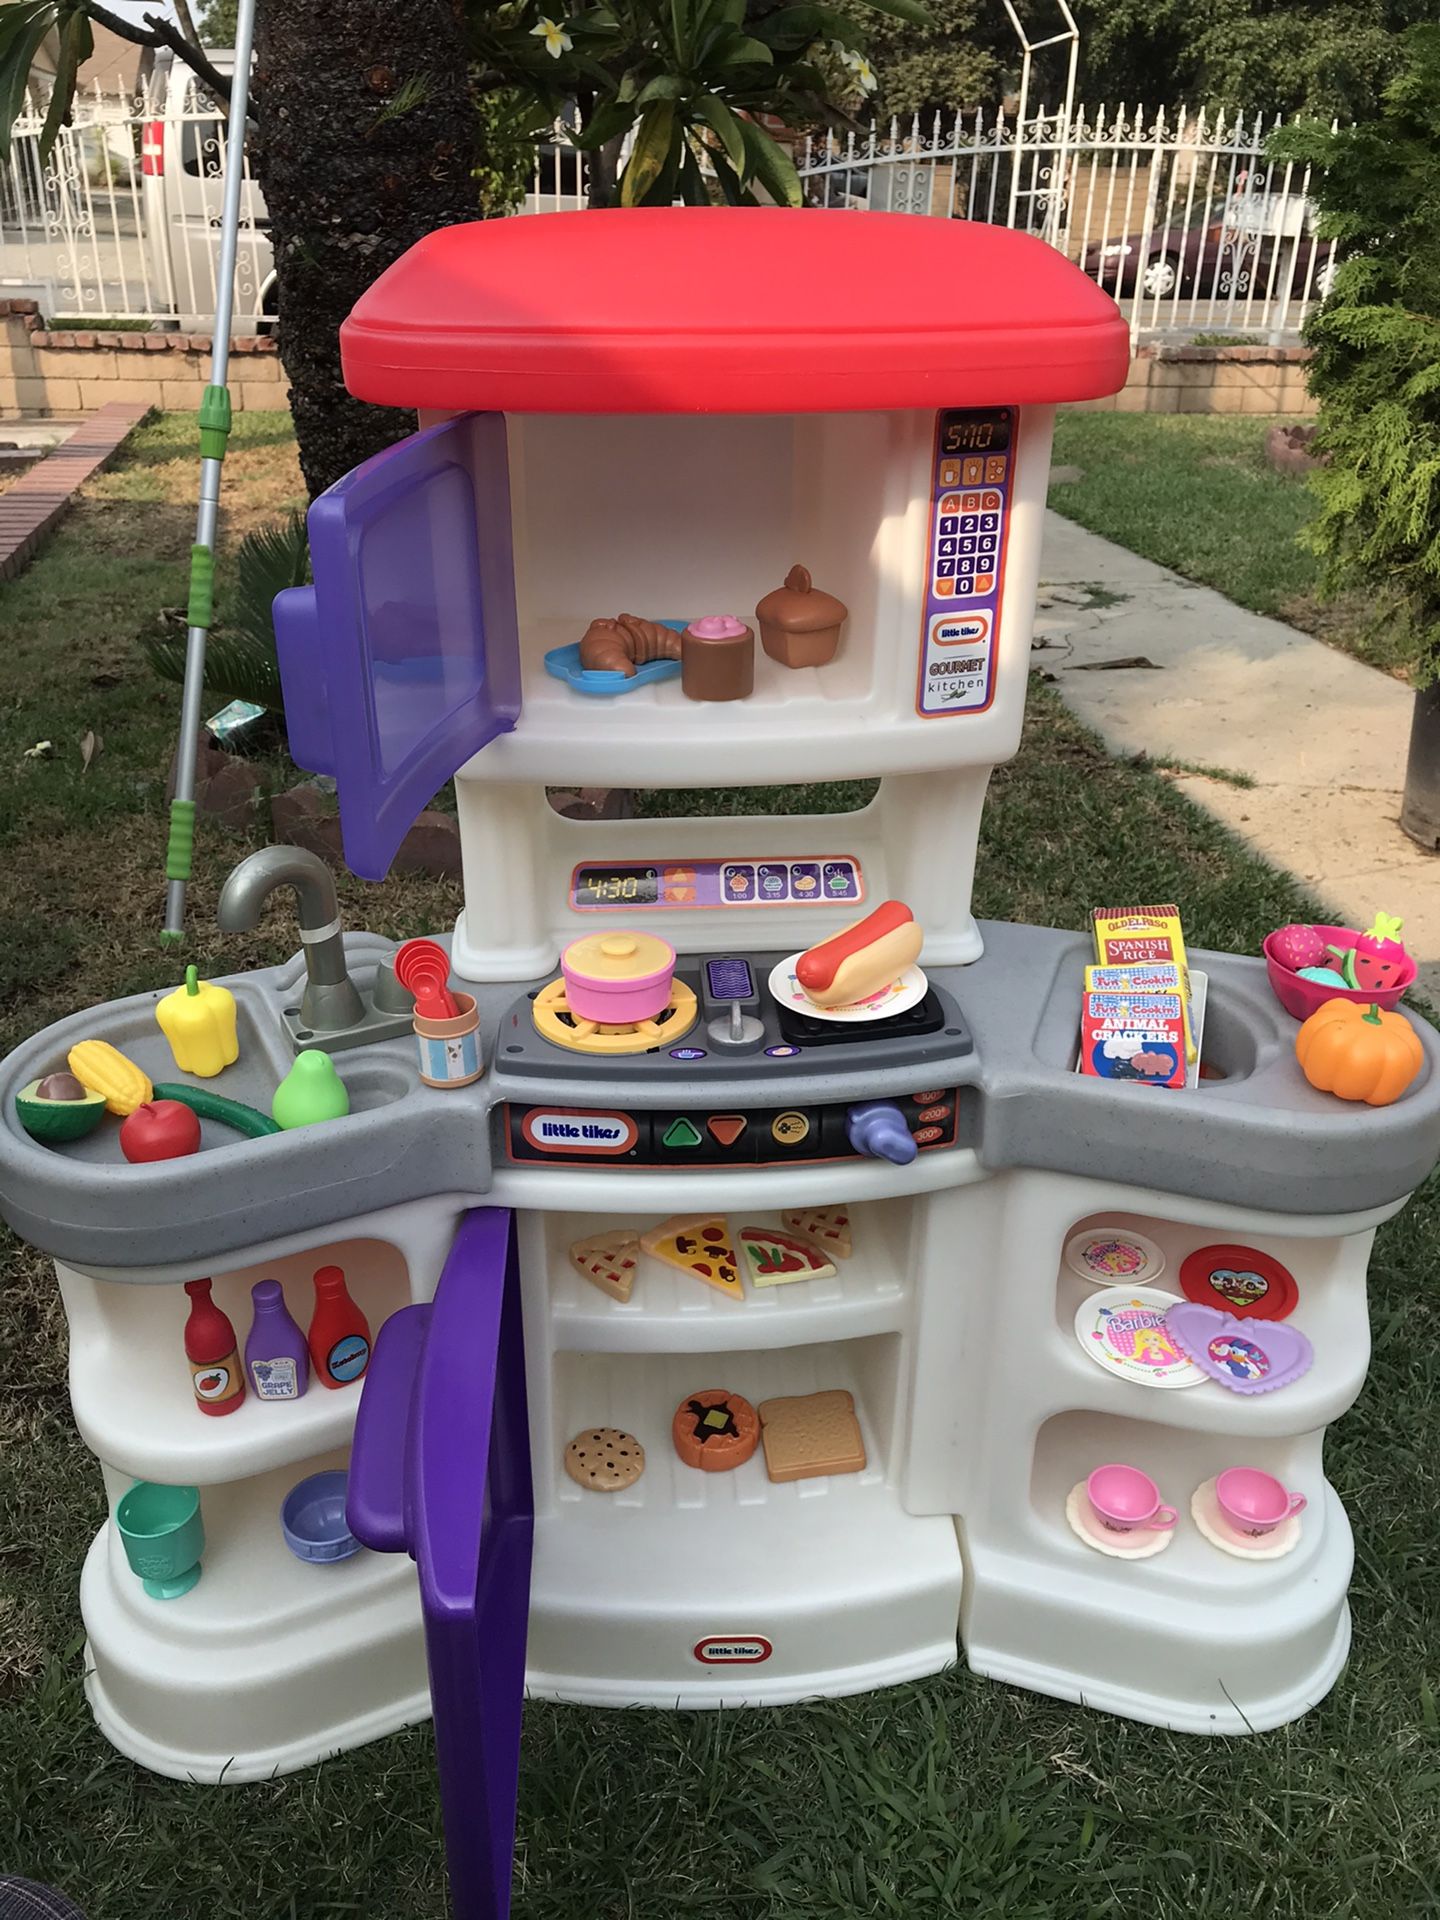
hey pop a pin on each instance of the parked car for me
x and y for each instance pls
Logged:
(1230, 258)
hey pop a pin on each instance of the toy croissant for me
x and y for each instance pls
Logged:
(626, 642)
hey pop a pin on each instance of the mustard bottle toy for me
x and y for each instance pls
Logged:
(198, 1020)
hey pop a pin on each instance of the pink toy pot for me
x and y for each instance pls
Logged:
(1300, 998)
(617, 978)
(1127, 1501)
(1255, 1503)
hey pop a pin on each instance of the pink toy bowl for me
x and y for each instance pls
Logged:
(1127, 1501)
(1255, 1503)
(617, 978)
(1300, 998)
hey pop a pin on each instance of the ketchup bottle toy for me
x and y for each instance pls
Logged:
(276, 1356)
(339, 1331)
(212, 1352)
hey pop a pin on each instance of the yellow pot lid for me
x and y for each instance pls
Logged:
(618, 956)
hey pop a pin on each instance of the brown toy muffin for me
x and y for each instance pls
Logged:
(799, 624)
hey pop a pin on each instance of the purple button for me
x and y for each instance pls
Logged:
(689, 1053)
(781, 1053)
(729, 978)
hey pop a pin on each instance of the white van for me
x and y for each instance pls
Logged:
(182, 164)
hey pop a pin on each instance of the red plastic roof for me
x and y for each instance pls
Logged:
(730, 310)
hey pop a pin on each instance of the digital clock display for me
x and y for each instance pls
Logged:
(616, 887)
(976, 432)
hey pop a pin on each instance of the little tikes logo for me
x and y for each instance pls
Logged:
(568, 1130)
(949, 630)
(733, 1650)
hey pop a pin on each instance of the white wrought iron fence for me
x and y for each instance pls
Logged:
(1179, 215)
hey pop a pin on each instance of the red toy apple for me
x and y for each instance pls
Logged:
(160, 1130)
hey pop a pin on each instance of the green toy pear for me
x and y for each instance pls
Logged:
(311, 1091)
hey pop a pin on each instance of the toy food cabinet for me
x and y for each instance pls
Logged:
(666, 411)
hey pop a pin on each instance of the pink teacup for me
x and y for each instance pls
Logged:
(1255, 1503)
(1125, 1500)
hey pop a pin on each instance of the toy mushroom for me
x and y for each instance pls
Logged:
(799, 624)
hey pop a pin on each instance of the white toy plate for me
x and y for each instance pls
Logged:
(907, 991)
(1123, 1330)
(1114, 1256)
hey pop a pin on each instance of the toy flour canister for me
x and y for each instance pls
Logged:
(450, 1049)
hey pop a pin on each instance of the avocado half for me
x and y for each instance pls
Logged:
(51, 1120)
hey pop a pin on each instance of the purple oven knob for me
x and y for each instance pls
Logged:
(878, 1129)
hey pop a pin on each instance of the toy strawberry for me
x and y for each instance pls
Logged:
(1380, 958)
(1297, 946)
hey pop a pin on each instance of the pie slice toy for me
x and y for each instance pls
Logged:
(828, 1227)
(698, 1244)
(773, 1258)
(609, 1261)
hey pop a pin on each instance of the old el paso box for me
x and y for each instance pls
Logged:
(1134, 1036)
(1145, 936)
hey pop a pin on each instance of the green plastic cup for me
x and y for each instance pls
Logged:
(163, 1536)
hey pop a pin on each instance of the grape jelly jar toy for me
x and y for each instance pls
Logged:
(759, 1111)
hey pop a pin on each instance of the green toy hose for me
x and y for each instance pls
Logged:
(214, 434)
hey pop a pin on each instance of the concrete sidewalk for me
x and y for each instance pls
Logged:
(1323, 737)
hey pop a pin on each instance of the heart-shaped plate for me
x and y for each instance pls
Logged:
(1247, 1356)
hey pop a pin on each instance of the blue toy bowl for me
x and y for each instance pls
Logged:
(312, 1519)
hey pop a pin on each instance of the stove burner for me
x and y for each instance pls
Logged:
(803, 1030)
(555, 1022)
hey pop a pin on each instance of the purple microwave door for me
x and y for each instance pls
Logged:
(403, 659)
(441, 1468)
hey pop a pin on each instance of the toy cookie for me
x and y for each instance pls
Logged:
(604, 1460)
(715, 1430)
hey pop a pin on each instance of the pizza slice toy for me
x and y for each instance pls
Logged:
(827, 1227)
(772, 1258)
(700, 1246)
(609, 1261)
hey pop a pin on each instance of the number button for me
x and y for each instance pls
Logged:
(988, 542)
(944, 567)
(968, 546)
(949, 523)
(989, 522)
(945, 547)
(964, 586)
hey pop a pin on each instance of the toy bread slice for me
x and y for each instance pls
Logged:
(806, 1435)
(826, 1227)
(773, 1258)
(698, 1244)
(609, 1261)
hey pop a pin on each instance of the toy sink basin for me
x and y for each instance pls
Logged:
(1301, 998)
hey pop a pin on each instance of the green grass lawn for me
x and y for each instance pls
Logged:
(1196, 493)
(949, 1797)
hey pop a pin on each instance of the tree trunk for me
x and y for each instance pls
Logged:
(366, 139)
(1420, 810)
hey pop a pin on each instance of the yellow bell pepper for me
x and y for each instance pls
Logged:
(198, 1020)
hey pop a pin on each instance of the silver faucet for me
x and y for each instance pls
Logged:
(331, 1000)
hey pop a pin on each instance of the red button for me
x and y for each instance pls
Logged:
(927, 1136)
(726, 1128)
(934, 1113)
(928, 1099)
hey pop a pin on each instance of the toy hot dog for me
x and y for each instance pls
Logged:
(862, 958)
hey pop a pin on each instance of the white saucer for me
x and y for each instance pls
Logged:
(906, 991)
(1119, 1546)
(1205, 1512)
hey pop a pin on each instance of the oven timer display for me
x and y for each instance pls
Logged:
(616, 886)
(975, 431)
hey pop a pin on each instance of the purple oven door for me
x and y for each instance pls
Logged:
(440, 1469)
(402, 660)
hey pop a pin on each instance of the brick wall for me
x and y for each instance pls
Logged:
(77, 371)
(1213, 380)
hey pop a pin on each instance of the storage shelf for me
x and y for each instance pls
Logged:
(848, 1588)
(1334, 1320)
(130, 1383)
(644, 1193)
(668, 1312)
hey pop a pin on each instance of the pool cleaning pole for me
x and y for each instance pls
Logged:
(214, 432)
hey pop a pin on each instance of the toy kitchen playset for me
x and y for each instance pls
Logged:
(763, 1303)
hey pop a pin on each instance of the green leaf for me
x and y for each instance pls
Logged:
(726, 128)
(910, 10)
(76, 43)
(729, 178)
(665, 86)
(610, 119)
(693, 190)
(739, 50)
(652, 149)
(22, 28)
(771, 166)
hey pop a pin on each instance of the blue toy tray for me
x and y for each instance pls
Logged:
(564, 663)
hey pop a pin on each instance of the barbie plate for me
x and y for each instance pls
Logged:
(1123, 1330)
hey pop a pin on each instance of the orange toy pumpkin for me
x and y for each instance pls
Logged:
(1358, 1052)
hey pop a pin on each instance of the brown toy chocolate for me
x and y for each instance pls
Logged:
(626, 642)
(799, 623)
(717, 658)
